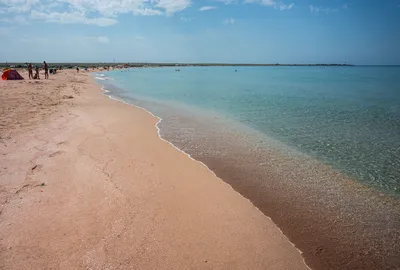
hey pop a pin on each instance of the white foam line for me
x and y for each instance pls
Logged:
(105, 92)
(103, 78)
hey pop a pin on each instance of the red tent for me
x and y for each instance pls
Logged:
(10, 74)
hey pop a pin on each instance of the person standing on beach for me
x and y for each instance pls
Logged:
(46, 70)
(30, 73)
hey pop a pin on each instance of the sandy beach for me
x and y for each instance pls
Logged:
(86, 183)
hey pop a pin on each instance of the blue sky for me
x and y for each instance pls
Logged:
(242, 31)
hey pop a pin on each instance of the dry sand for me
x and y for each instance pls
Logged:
(86, 183)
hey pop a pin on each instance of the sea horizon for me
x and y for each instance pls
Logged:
(168, 64)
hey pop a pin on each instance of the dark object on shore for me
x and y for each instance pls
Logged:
(37, 76)
(46, 70)
(11, 74)
(30, 71)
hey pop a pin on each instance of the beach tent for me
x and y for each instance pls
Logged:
(11, 74)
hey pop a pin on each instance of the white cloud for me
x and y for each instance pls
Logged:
(147, 12)
(229, 21)
(226, 2)
(113, 8)
(18, 6)
(286, 7)
(314, 9)
(206, 8)
(72, 17)
(271, 3)
(92, 39)
(96, 12)
(171, 6)
(139, 38)
(262, 2)
(103, 39)
(50, 7)
(186, 19)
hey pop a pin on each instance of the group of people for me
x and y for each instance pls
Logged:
(30, 71)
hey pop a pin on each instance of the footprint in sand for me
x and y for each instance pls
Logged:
(63, 143)
(36, 167)
(57, 153)
(22, 188)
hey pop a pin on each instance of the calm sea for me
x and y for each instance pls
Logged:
(346, 117)
(317, 149)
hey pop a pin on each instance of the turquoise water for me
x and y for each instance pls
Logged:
(346, 117)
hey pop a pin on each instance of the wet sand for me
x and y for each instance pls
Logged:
(86, 183)
(336, 221)
(343, 230)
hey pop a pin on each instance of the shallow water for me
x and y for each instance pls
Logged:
(347, 117)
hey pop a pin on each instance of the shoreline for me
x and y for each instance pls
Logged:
(198, 161)
(361, 233)
(115, 94)
(122, 197)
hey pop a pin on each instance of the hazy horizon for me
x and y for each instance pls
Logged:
(201, 63)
